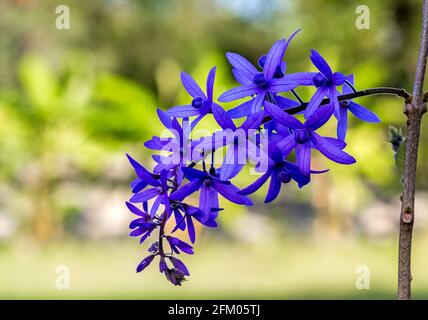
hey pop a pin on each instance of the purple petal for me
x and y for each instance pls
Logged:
(241, 111)
(208, 199)
(321, 64)
(330, 151)
(166, 121)
(303, 156)
(137, 166)
(282, 85)
(208, 221)
(315, 101)
(257, 102)
(286, 103)
(179, 265)
(155, 206)
(157, 143)
(239, 92)
(302, 78)
(230, 192)
(222, 118)
(346, 88)
(145, 195)
(186, 190)
(140, 222)
(281, 116)
(254, 121)
(342, 124)
(320, 116)
(256, 185)
(233, 162)
(244, 66)
(179, 221)
(241, 77)
(210, 84)
(192, 173)
(137, 232)
(336, 142)
(191, 86)
(338, 78)
(332, 95)
(362, 113)
(274, 58)
(274, 153)
(183, 246)
(137, 185)
(190, 229)
(145, 263)
(135, 210)
(287, 144)
(162, 265)
(183, 111)
(274, 188)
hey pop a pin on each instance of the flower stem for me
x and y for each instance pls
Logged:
(362, 93)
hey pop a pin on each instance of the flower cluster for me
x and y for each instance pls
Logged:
(273, 136)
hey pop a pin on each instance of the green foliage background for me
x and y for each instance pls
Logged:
(72, 102)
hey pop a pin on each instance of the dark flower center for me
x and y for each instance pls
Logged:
(207, 182)
(344, 103)
(284, 177)
(197, 102)
(160, 190)
(260, 80)
(175, 276)
(319, 80)
(301, 136)
(278, 71)
(175, 205)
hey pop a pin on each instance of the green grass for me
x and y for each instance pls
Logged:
(291, 269)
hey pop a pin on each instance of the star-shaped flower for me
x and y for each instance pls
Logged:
(304, 137)
(325, 81)
(260, 84)
(201, 103)
(210, 185)
(280, 172)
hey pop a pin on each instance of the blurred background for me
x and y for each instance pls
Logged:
(72, 102)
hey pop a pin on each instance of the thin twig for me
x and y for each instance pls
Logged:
(358, 94)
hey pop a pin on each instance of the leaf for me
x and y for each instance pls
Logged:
(400, 157)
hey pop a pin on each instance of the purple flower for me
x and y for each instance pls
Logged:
(304, 137)
(179, 146)
(175, 276)
(184, 215)
(159, 191)
(144, 177)
(201, 103)
(179, 246)
(210, 186)
(237, 139)
(145, 263)
(144, 225)
(279, 171)
(358, 110)
(260, 84)
(325, 81)
(179, 265)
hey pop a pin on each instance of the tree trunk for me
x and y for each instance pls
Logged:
(414, 110)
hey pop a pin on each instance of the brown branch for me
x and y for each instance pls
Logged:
(414, 110)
